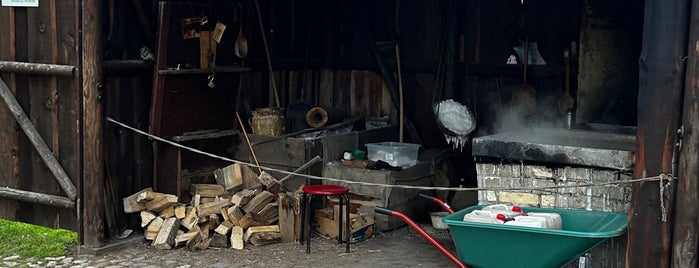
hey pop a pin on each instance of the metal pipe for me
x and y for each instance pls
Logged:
(424, 234)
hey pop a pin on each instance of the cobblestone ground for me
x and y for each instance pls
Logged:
(400, 248)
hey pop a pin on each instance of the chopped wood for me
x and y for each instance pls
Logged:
(235, 215)
(250, 219)
(205, 200)
(224, 227)
(198, 242)
(214, 221)
(157, 205)
(243, 197)
(131, 204)
(258, 202)
(288, 209)
(206, 190)
(196, 200)
(166, 236)
(224, 214)
(148, 195)
(168, 212)
(230, 177)
(263, 235)
(269, 182)
(212, 208)
(147, 217)
(154, 228)
(182, 239)
(325, 212)
(218, 241)
(250, 180)
(270, 213)
(237, 241)
(180, 211)
(190, 219)
(204, 229)
(204, 219)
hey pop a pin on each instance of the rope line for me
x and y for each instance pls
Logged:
(661, 177)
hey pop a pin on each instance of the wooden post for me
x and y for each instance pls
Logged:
(660, 82)
(36, 68)
(686, 233)
(93, 173)
(37, 141)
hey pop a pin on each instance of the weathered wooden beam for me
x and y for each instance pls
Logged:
(37, 198)
(685, 238)
(92, 120)
(36, 68)
(39, 144)
(661, 78)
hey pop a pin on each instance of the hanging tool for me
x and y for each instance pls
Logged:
(241, 43)
(524, 95)
(567, 102)
(272, 81)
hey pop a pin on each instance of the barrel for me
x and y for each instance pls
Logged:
(267, 121)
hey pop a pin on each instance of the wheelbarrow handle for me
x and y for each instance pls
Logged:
(441, 202)
(383, 210)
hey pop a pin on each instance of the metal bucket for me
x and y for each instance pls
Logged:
(268, 121)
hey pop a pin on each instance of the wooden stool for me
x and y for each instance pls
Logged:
(309, 191)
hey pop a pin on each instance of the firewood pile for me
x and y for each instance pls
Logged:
(242, 207)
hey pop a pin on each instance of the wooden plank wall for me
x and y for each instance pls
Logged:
(43, 35)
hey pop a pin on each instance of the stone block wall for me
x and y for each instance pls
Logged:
(610, 198)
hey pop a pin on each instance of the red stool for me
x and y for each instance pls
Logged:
(309, 191)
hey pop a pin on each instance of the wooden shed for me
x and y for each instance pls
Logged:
(178, 70)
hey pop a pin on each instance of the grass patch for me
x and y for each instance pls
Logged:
(28, 240)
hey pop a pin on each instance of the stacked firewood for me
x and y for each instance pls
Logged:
(240, 208)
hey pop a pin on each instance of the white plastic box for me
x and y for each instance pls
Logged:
(394, 153)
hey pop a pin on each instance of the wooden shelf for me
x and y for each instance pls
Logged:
(232, 69)
(533, 71)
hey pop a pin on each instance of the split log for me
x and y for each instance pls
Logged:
(230, 177)
(213, 222)
(258, 202)
(157, 205)
(190, 219)
(168, 212)
(166, 236)
(206, 190)
(288, 207)
(262, 235)
(270, 213)
(237, 241)
(224, 227)
(250, 219)
(270, 183)
(224, 214)
(205, 200)
(131, 204)
(218, 241)
(235, 215)
(196, 200)
(243, 197)
(250, 179)
(180, 211)
(154, 228)
(148, 195)
(182, 239)
(198, 242)
(212, 208)
(147, 217)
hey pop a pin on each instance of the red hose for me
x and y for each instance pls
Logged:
(429, 238)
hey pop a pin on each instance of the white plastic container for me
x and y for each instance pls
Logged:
(528, 221)
(396, 154)
(553, 220)
(508, 211)
(483, 216)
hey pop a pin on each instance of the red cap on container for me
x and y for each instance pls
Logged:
(500, 217)
(517, 209)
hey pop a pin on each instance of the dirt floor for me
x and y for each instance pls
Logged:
(402, 247)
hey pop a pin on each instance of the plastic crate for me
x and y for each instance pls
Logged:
(495, 245)
(396, 154)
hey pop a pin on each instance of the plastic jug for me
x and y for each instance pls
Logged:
(528, 221)
(484, 217)
(508, 211)
(553, 220)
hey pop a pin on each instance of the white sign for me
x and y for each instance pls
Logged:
(20, 3)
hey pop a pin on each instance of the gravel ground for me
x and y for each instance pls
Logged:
(402, 247)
